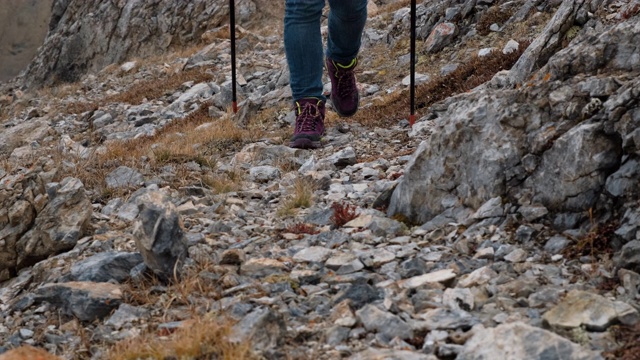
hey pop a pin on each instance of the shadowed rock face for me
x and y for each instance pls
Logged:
(23, 27)
(89, 35)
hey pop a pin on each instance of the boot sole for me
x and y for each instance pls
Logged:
(304, 143)
(345, 114)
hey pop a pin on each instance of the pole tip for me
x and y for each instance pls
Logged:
(412, 120)
(235, 107)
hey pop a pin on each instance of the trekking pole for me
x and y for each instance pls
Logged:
(412, 90)
(232, 35)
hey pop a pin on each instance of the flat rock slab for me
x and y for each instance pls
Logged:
(313, 254)
(432, 277)
(517, 341)
(390, 354)
(581, 308)
(262, 267)
(87, 301)
(385, 323)
(106, 266)
(444, 319)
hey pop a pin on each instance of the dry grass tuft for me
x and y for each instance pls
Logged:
(203, 337)
(301, 196)
(596, 243)
(629, 339)
(197, 339)
(182, 141)
(142, 90)
(495, 15)
(474, 72)
(28, 353)
(394, 6)
(228, 182)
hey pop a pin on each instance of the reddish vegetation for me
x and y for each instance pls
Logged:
(629, 338)
(301, 228)
(342, 213)
(596, 242)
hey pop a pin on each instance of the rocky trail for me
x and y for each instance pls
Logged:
(142, 219)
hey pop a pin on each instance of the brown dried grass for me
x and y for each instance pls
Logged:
(203, 338)
(147, 89)
(467, 76)
(495, 15)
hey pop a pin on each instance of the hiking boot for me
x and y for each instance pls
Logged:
(309, 124)
(344, 91)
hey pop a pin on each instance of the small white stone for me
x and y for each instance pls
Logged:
(511, 46)
(433, 277)
(128, 66)
(485, 52)
(420, 79)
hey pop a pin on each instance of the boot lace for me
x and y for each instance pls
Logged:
(308, 115)
(346, 81)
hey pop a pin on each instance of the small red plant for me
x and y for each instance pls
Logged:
(630, 11)
(301, 228)
(342, 213)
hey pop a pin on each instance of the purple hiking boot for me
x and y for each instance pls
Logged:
(344, 91)
(309, 124)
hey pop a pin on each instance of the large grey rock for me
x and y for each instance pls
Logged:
(441, 36)
(127, 314)
(613, 48)
(22, 133)
(85, 300)
(581, 308)
(572, 173)
(435, 171)
(59, 226)
(384, 323)
(549, 41)
(263, 174)
(263, 328)
(568, 178)
(159, 235)
(516, 341)
(630, 226)
(629, 256)
(124, 177)
(556, 244)
(106, 266)
(89, 35)
(551, 157)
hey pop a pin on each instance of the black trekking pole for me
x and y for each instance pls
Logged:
(412, 90)
(232, 36)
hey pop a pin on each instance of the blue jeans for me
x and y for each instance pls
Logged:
(303, 42)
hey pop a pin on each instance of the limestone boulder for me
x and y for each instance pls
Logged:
(159, 235)
(515, 341)
(89, 35)
(59, 226)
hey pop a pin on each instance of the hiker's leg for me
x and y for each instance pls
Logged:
(346, 22)
(303, 47)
